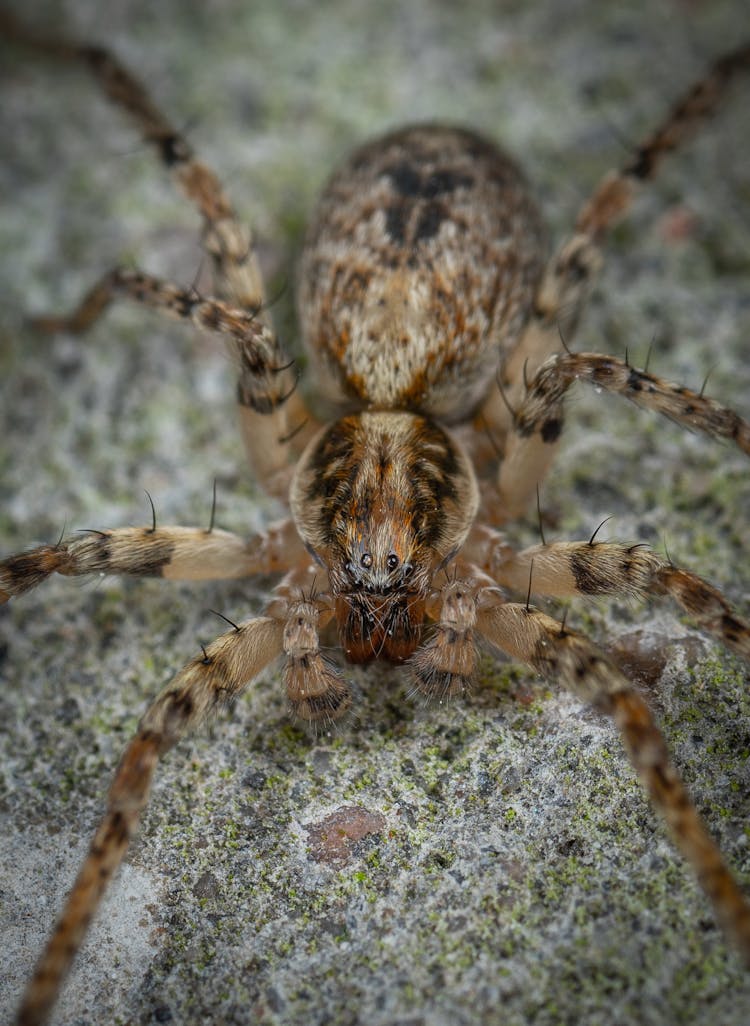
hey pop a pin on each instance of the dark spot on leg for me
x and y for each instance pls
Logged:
(551, 429)
(260, 402)
(157, 553)
(210, 317)
(118, 830)
(179, 708)
(174, 150)
(732, 628)
(586, 569)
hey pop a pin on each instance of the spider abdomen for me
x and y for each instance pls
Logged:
(419, 271)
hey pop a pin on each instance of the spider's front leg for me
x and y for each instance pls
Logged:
(572, 569)
(177, 553)
(209, 682)
(473, 607)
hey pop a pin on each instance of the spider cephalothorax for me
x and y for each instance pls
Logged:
(382, 500)
(423, 283)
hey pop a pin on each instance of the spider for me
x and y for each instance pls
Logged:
(423, 283)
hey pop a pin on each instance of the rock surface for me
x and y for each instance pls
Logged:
(497, 862)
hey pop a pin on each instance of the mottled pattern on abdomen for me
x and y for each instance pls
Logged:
(419, 272)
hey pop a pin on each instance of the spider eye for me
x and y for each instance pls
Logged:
(366, 560)
(392, 561)
(407, 569)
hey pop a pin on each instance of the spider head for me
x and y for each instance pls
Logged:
(382, 500)
(379, 579)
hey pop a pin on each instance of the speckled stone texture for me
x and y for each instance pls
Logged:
(491, 861)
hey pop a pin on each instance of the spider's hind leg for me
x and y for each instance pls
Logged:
(266, 381)
(228, 242)
(275, 421)
(568, 658)
(525, 414)
(538, 422)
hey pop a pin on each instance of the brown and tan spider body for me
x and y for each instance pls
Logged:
(416, 282)
(432, 317)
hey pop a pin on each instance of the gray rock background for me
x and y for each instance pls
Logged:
(504, 866)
